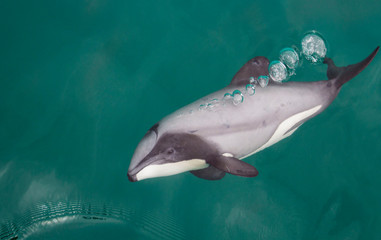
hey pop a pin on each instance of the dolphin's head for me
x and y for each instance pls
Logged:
(169, 154)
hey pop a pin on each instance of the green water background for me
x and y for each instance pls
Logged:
(82, 81)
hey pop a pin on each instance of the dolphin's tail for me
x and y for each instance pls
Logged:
(344, 74)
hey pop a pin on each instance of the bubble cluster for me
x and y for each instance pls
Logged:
(314, 50)
(213, 103)
(280, 70)
(236, 97)
(210, 105)
(313, 47)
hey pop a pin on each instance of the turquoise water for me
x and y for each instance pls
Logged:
(82, 81)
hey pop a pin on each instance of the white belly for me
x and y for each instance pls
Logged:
(282, 130)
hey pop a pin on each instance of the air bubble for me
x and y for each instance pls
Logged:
(202, 107)
(263, 81)
(227, 97)
(252, 80)
(278, 71)
(314, 47)
(289, 57)
(237, 97)
(250, 89)
(213, 103)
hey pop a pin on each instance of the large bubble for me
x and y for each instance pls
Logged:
(289, 57)
(278, 71)
(313, 47)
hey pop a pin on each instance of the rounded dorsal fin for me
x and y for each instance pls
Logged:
(255, 67)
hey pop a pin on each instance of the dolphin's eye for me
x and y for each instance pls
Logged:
(170, 151)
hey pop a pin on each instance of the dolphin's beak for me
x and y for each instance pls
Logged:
(132, 174)
(147, 161)
(131, 177)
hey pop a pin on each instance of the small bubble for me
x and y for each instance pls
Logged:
(252, 80)
(278, 71)
(314, 47)
(237, 97)
(213, 103)
(289, 57)
(250, 89)
(263, 81)
(202, 107)
(227, 98)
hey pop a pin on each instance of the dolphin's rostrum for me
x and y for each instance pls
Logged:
(211, 143)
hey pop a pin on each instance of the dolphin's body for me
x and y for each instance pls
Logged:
(211, 142)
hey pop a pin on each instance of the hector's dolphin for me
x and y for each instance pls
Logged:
(212, 142)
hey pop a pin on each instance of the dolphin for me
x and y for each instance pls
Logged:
(213, 141)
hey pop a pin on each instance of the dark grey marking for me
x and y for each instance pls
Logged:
(172, 147)
(232, 165)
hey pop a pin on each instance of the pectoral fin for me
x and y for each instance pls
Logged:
(209, 173)
(233, 166)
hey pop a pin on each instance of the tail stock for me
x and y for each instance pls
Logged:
(344, 74)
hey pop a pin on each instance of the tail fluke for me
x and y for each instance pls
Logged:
(344, 74)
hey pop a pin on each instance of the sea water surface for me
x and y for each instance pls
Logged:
(82, 81)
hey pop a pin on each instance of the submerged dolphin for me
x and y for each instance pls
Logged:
(210, 143)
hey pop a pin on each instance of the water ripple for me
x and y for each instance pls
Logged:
(44, 215)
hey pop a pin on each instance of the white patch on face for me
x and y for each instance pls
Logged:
(227, 155)
(280, 132)
(168, 169)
